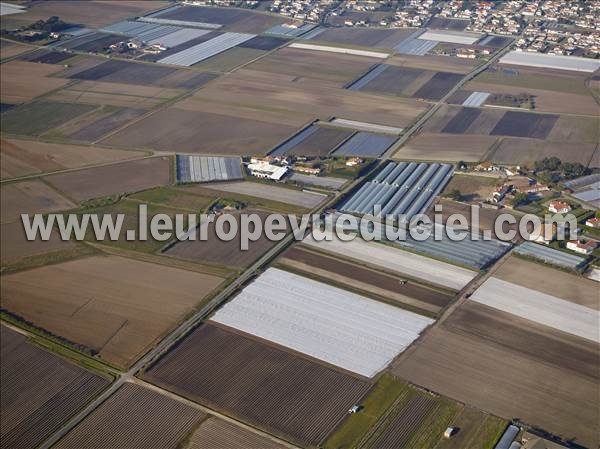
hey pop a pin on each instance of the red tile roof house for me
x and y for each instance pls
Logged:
(559, 207)
(593, 222)
(579, 246)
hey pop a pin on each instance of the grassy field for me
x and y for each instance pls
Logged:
(164, 196)
(574, 86)
(354, 428)
(230, 59)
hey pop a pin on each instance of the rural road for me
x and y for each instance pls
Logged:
(261, 263)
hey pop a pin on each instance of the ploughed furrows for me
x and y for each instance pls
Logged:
(134, 417)
(40, 391)
(287, 395)
(401, 428)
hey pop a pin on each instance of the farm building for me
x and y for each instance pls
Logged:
(207, 168)
(405, 189)
(559, 207)
(582, 246)
(264, 170)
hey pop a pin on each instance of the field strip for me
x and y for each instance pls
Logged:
(346, 51)
(540, 307)
(397, 260)
(209, 411)
(359, 285)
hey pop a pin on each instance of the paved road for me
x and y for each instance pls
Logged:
(261, 263)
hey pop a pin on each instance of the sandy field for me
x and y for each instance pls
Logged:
(117, 307)
(30, 197)
(444, 147)
(26, 157)
(97, 182)
(20, 81)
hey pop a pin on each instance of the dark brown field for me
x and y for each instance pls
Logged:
(270, 388)
(107, 180)
(366, 37)
(216, 433)
(504, 378)
(438, 86)
(400, 430)
(40, 391)
(134, 416)
(321, 143)
(220, 252)
(363, 278)
(14, 244)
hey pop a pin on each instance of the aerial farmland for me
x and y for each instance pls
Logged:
(299, 224)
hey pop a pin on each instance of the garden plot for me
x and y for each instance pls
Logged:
(330, 324)
(540, 307)
(40, 391)
(397, 261)
(134, 416)
(207, 168)
(260, 383)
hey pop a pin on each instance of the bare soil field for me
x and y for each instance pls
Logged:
(26, 157)
(542, 342)
(94, 14)
(396, 80)
(435, 63)
(111, 122)
(116, 307)
(40, 391)
(473, 188)
(260, 383)
(249, 89)
(176, 129)
(34, 119)
(266, 43)
(233, 19)
(523, 124)
(366, 37)
(229, 59)
(9, 49)
(438, 86)
(571, 129)
(114, 71)
(441, 23)
(216, 433)
(336, 68)
(97, 182)
(526, 151)
(116, 94)
(487, 217)
(551, 281)
(545, 100)
(134, 416)
(30, 197)
(368, 280)
(21, 81)
(504, 382)
(271, 192)
(216, 251)
(461, 121)
(444, 147)
(14, 244)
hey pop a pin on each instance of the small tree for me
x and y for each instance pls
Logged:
(520, 198)
(455, 195)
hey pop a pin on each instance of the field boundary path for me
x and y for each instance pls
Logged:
(182, 330)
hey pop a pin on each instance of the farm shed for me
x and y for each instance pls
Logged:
(507, 437)
(207, 168)
(339, 327)
(400, 189)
